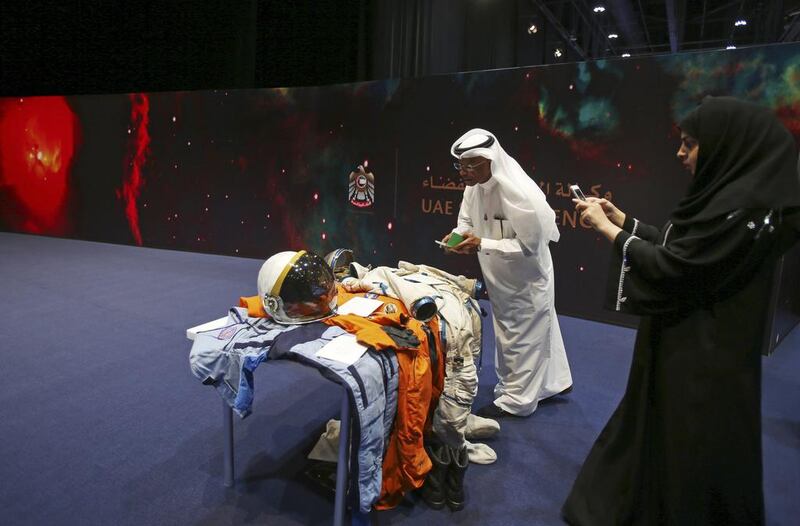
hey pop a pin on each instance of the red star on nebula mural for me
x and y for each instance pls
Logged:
(38, 138)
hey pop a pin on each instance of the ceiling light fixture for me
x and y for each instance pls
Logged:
(612, 36)
(626, 55)
(532, 29)
(599, 9)
(740, 22)
(557, 53)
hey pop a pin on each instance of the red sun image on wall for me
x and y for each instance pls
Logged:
(38, 136)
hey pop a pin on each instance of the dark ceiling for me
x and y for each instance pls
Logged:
(651, 26)
(97, 46)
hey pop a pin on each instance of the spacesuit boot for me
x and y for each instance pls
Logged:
(480, 453)
(454, 482)
(433, 491)
(480, 427)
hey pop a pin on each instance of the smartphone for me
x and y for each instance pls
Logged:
(576, 191)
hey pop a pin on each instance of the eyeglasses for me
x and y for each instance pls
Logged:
(469, 168)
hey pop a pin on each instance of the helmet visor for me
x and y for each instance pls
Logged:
(308, 290)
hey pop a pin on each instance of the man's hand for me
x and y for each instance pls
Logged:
(444, 240)
(469, 245)
(614, 214)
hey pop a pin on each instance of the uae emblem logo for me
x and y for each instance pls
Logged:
(361, 190)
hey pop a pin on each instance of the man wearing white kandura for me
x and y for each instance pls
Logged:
(505, 219)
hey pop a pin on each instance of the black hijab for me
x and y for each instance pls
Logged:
(747, 159)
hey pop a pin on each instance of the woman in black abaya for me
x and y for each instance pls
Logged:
(684, 445)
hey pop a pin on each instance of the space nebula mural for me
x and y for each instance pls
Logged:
(366, 165)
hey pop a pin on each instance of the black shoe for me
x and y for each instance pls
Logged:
(557, 398)
(323, 474)
(493, 412)
(433, 491)
(454, 483)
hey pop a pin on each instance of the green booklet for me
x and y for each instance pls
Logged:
(455, 239)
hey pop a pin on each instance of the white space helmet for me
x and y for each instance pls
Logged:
(297, 287)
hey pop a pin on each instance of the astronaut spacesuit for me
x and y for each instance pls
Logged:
(415, 286)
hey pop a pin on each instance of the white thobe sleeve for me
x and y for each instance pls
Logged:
(464, 224)
(517, 218)
(506, 246)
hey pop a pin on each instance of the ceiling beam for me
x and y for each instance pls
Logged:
(703, 22)
(676, 19)
(598, 32)
(561, 30)
(626, 21)
(714, 11)
(740, 13)
(792, 30)
(686, 45)
(644, 25)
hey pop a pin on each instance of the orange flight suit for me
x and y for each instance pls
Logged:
(420, 382)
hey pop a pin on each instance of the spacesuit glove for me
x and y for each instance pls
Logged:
(402, 338)
(354, 285)
(409, 268)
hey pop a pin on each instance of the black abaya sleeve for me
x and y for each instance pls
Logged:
(695, 267)
(641, 230)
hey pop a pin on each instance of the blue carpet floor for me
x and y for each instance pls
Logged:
(102, 423)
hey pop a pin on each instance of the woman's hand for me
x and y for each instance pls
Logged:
(614, 214)
(592, 212)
